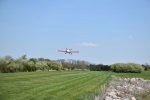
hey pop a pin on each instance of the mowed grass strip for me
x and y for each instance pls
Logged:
(144, 74)
(50, 85)
(65, 85)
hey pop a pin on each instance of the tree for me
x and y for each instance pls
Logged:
(54, 65)
(146, 66)
(127, 67)
(9, 58)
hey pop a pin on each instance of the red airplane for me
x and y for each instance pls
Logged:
(69, 51)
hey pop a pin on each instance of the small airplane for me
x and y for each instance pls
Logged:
(69, 51)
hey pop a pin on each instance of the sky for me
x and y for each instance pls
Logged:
(104, 31)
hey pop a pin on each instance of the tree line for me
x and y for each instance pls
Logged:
(23, 64)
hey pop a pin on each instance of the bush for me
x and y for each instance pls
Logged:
(29, 66)
(125, 68)
(3, 65)
(71, 64)
(8, 64)
(54, 65)
(68, 66)
(42, 65)
(99, 67)
(146, 66)
(15, 67)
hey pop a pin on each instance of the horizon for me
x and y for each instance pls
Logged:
(105, 32)
(5, 57)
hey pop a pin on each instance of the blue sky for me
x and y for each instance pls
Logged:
(104, 31)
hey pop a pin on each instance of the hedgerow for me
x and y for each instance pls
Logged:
(22, 64)
(127, 67)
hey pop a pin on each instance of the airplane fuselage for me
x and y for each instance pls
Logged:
(68, 51)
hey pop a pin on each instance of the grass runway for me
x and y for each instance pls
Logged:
(58, 85)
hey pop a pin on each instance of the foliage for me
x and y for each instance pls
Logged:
(41, 65)
(3, 65)
(127, 67)
(74, 64)
(54, 65)
(68, 66)
(146, 66)
(15, 67)
(99, 67)
(29, 66)
(22, 64)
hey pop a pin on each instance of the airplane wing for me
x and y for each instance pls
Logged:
(74, 51)
(61, 51)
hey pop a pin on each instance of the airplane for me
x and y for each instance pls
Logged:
(69, 51)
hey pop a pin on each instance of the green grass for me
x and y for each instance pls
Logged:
(65, 85)
(144, 74)
(51, 85)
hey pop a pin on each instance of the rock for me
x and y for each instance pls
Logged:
(125, 89)
(133, 98)
(97, 97)
(139, 89)
(108, 98)
(126, 99)
(112, 94)
(120, 94)
(125, 79)
(131, 89)
(140, 79)
(133, 80)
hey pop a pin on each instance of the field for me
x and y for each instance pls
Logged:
(58, 85)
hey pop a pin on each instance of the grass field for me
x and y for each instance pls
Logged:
(145, 75)
(63, 85)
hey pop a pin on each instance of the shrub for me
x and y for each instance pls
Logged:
(42, 65)
(68, 66)
(3, 65)
(54, 65)
(125, 68)
(29, 66)
(99, 67)
(8, 64)
(12, 67)
(146, 66)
